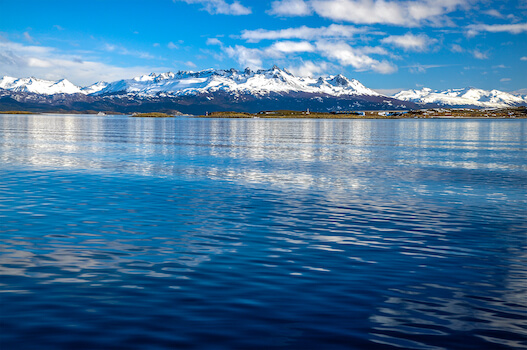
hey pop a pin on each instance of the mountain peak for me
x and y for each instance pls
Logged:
(256, 84)
(233, 81)
(340, 80)
(39, 86)
(469, 96)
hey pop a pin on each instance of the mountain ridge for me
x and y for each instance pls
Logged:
(239, 90)
(260, 82)
(465, 97)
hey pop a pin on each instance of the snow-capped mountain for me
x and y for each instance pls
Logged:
(198, 92)
(94, 88)
(257, 83)
(469, 97)
(232, 85)
(237, 90)
(39, 86)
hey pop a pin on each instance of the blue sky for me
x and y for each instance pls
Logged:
(387, 45)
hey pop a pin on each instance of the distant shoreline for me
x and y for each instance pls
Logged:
(435, 113)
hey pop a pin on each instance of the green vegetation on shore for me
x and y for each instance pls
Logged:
(17, 112)
(152, 115)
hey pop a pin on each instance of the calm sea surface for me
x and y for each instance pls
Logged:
(127, 233)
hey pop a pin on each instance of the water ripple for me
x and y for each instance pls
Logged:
(186, 233)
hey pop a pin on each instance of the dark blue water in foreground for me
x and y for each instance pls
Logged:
(124, 233)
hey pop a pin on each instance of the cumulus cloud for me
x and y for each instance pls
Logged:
(245, 56)
(516, 28)
(20, 60)
(253, 58)
(290, 8)
(524, 58)
(309, 69)
(340, 52)
(409, 42)
(292, 46)
(348, 56)
(410, 13)
(336, 31)
(221, 7)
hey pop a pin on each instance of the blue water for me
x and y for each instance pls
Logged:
(127, 233)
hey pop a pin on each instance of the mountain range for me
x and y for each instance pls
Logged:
(247, 91)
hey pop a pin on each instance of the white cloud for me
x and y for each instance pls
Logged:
(20, 60)
(524, 58)
(405, 13)
(457, 48)
(252, 58)
(389, 92)
(309, 69)
(503, 80)
(172, 46)
(410, 42)
(493, 13)
(337, 31)
(290, 8)
(348, 56)
(185, 63)
(28, 37)
(480, 55)
(221, 7)
(214, 41)
(375, 50)
(246, 57)
(422, 68)
(292, 46)
(517, 28)
(340, 52)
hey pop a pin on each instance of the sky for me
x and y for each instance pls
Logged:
(388, 45)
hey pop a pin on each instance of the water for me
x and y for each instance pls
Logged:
(125, 233)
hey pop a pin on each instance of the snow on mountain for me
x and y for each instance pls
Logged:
(462, 97)
(39, 86)
(91, 89)
(258, 83)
